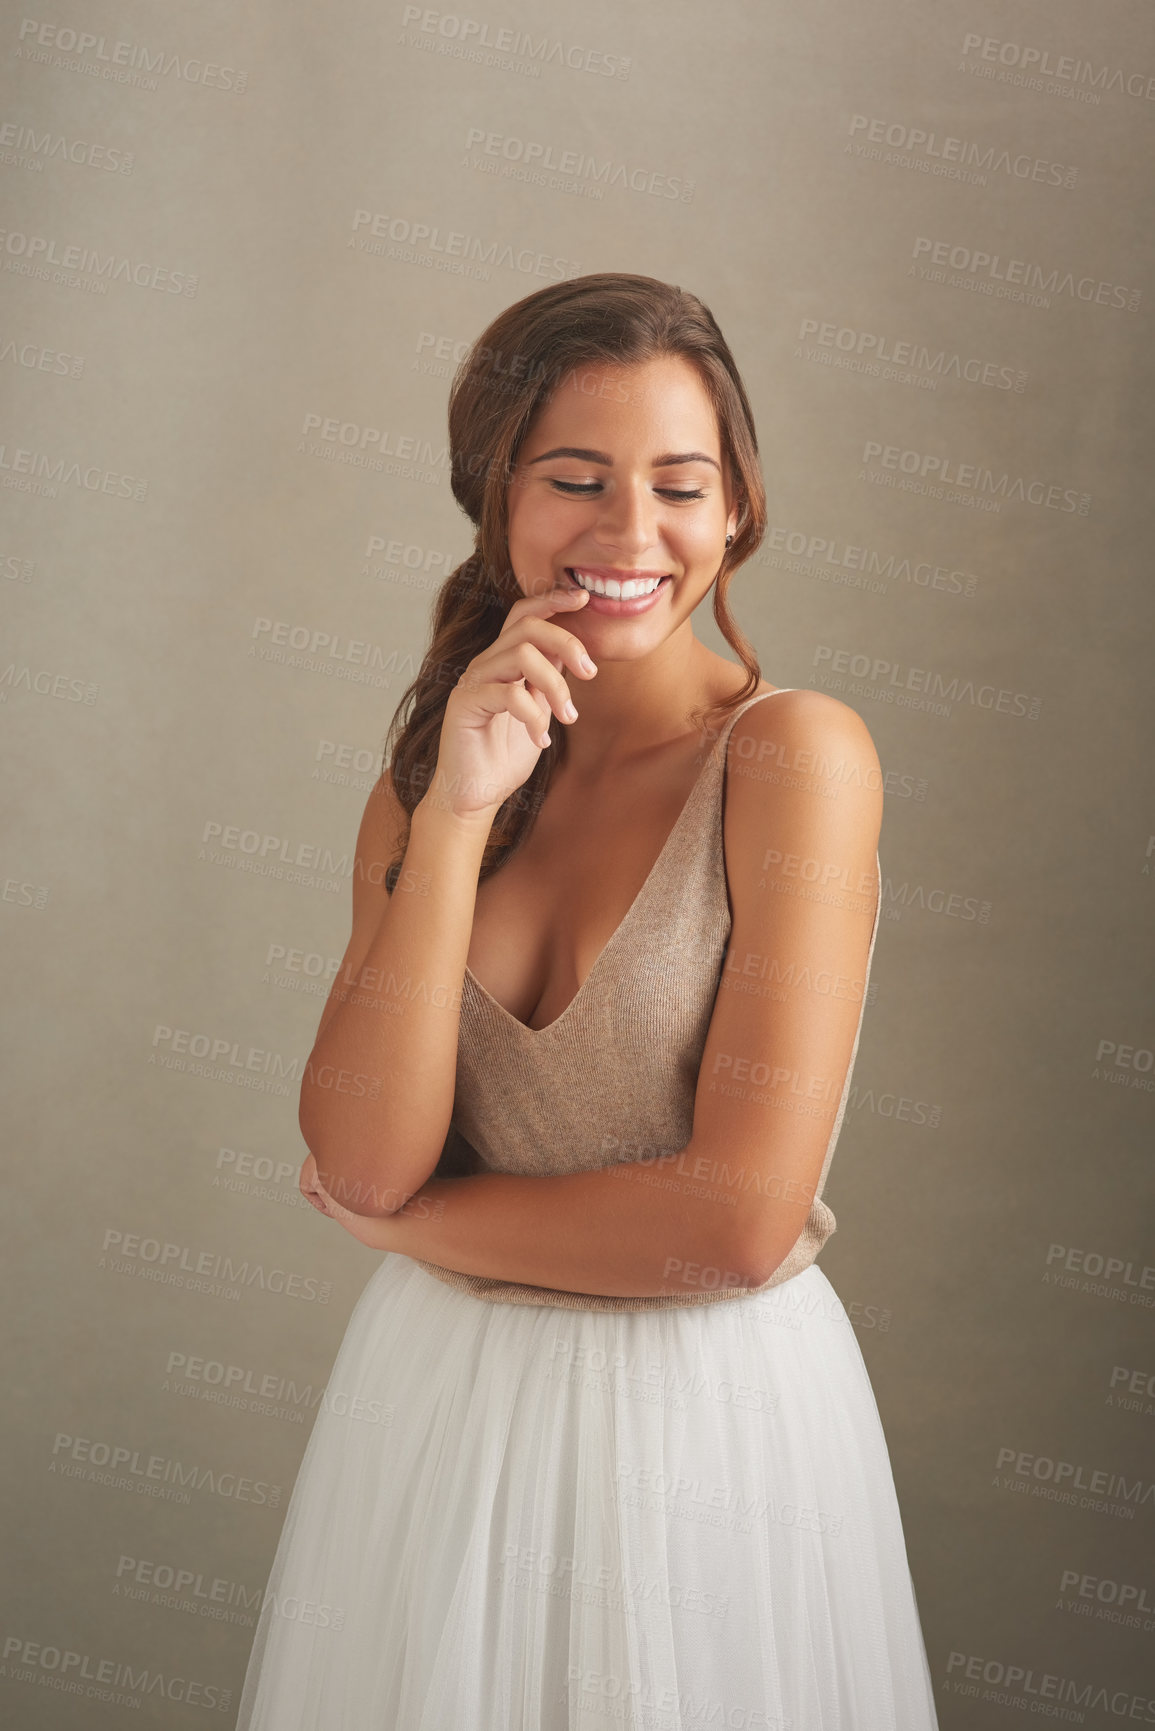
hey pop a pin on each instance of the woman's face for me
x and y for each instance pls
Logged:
(622, 480)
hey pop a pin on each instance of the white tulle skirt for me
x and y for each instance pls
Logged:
(523, 1518)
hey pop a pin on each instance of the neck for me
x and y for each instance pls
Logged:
(634, 707)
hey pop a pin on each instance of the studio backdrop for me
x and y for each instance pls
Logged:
(243, 251)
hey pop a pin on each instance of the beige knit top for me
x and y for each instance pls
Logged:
(613, 1078)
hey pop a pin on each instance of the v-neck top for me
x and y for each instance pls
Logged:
(613, 1078)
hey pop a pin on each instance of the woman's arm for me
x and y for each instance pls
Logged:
(377, 1095)
(802, 818)
(382, 1069)
(619, 1231)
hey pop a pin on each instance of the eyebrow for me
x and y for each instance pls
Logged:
(666, 461)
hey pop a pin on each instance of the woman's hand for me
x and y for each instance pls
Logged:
(497, 715)
(371, 1230)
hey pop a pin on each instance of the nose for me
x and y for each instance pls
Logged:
(628, 519)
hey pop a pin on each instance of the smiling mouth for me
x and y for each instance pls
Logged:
(633, 588)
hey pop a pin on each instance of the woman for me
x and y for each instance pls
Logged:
(599, 1441)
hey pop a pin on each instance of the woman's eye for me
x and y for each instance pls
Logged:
(585, 488)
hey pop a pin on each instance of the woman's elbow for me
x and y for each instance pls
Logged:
(759, 1244)
(355, 1178)
(356, 1186)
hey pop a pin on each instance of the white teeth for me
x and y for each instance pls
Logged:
(615, 591)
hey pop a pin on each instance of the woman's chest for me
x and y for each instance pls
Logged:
(542, 923)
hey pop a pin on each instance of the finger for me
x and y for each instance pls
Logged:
(541, 674)
(525, 693)
(557, 599)
(521, 702)
(561, 647)
(531, 709)
(510, 662)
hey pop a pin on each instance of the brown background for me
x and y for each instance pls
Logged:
(223, 438)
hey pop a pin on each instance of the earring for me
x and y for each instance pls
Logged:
(729, 538)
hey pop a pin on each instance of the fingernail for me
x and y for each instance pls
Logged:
(588, 664)
(569, 711)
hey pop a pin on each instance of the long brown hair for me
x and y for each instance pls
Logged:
(508, 375)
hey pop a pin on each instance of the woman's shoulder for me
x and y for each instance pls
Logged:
(805, 711)
(802, 742)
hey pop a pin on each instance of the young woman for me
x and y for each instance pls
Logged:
(599, 1442)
